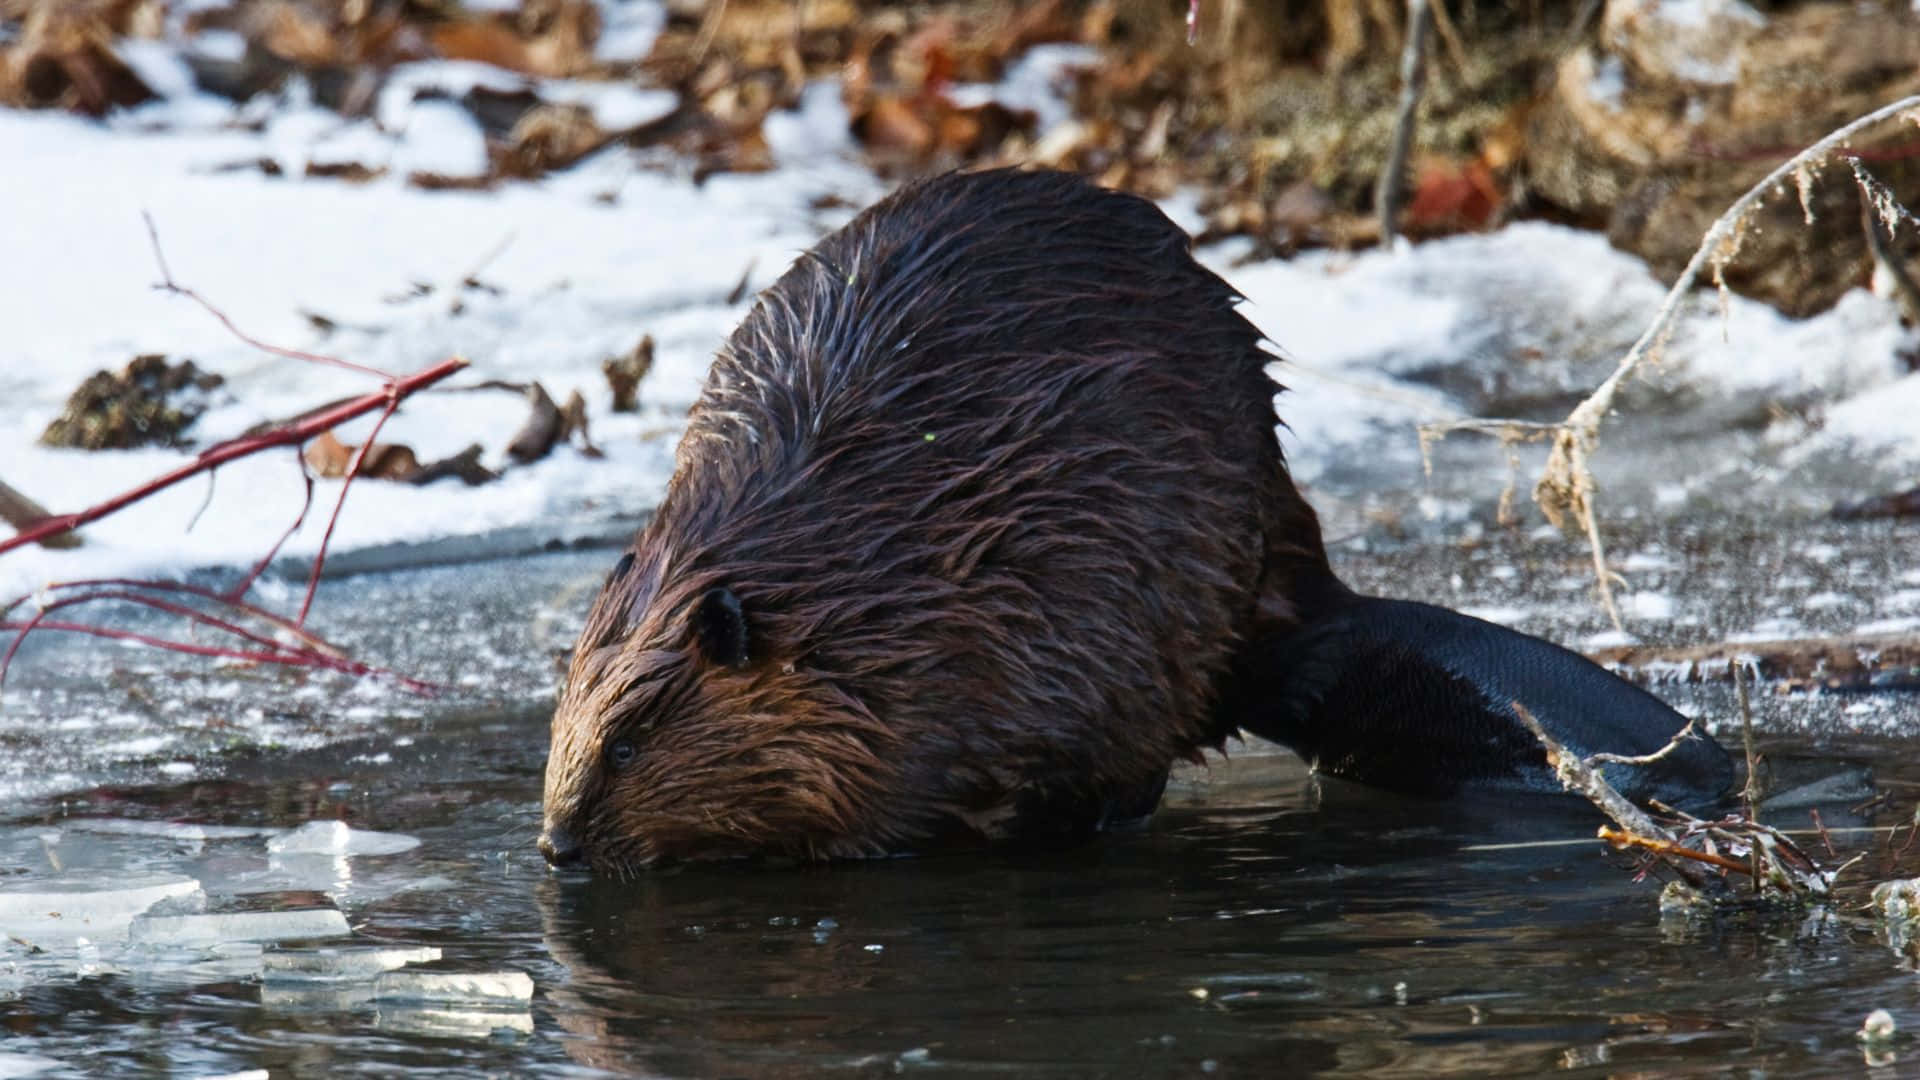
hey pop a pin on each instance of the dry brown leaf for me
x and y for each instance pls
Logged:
(625, 372)
(541, 429)
(328, 457)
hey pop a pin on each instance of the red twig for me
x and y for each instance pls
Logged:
(346, 483)
(296, 658)
(240, 587)
(167, 284)
(233, 449)
(310, 650)
(280, 622)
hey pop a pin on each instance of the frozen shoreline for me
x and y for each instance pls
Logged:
(591, 259)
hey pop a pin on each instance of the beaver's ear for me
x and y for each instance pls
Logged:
(721, 625)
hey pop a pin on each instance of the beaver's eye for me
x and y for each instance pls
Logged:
(620, 753)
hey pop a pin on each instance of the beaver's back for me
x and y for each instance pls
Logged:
(999, 460)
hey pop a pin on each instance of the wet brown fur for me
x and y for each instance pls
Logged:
(993, 473)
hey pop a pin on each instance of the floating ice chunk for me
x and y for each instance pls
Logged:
(314, 997)
(227, 961)
(342, 965)
(172, 830)
(96, 906)
(477, 989)
(18, 1065)
(238, 926)
(339, 838)
(244, 1074)
(473, 1024)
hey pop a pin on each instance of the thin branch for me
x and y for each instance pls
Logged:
(1679, 737)
(1566, 486)
(1576, 776)
(349, 667)
(1413, 77)
(278, 622)
(233, 449)
(346, 484)
(241, 587)
(168, 285)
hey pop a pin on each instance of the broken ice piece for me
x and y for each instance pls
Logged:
(315, 997)
(482, 989)
(182, 832)
(238, 926)
(98, 906)
(339, 838)
(12, 1065)
(342, 965)
(468, 1023)
(192, 965)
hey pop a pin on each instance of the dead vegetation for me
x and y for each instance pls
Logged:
(1280, 114)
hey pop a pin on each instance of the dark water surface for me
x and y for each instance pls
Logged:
(1263, 925)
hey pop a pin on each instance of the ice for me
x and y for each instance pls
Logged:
(238, 926)
(339, 838)
(342, 965)
(97, 906)
(192, 965)
(17, 1065)
(453, 1023)
(485, 989)
(183, 832)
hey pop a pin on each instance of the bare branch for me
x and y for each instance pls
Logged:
(1413, 79)
(233, 449)
(1679, 737)
(167, 284)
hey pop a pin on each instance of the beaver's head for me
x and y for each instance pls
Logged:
(689, 730)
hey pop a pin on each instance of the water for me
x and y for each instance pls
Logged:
(1263, 924)
(1262, 921)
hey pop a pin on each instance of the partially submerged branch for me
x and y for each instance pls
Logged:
(1699, 852)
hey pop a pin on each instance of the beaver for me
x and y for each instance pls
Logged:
(979, 524)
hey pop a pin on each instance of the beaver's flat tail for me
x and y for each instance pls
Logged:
(1418, 699)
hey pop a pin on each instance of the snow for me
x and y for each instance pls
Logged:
(581, 264)
(627, 29)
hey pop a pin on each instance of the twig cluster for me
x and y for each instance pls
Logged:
(1700, 852)
(251, 632)
(1566, 489)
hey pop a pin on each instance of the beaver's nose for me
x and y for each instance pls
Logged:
(559, 846)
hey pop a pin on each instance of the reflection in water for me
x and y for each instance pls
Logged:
(1331, 931)
(1262, 925)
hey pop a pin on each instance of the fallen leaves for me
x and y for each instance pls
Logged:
(64, 58)
(150, 402)
(625, 372)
